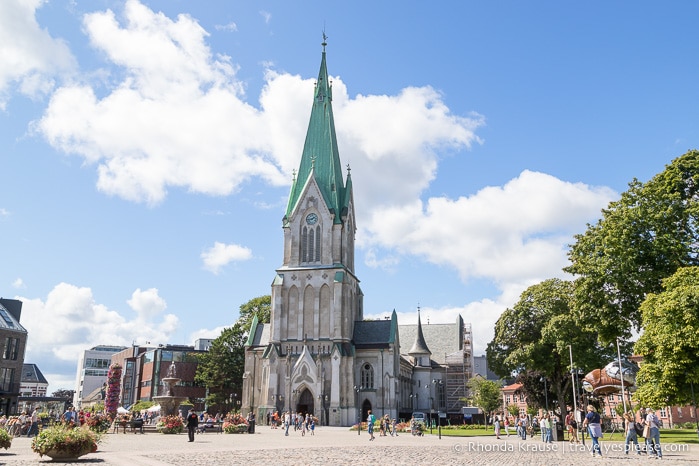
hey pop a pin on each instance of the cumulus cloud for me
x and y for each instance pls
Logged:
(515, 233)
(18, 284)
(29, 56)
(220, 254)
(147, 304)
(69, 321)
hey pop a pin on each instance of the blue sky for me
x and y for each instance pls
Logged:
(147, 149)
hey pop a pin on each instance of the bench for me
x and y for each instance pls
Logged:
(213, 427)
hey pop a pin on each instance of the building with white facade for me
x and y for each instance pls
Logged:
(92, 370)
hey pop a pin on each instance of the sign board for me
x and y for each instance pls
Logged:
(443, 415)
(470, 410)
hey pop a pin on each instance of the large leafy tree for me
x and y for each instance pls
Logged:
(670, 342)
(532, 342)
(221, 368)
(485, 394)
(642, 238)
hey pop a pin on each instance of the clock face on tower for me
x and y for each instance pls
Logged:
(311, 219)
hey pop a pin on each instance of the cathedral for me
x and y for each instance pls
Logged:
(318, 354)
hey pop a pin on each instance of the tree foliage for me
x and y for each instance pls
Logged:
(533, 338)
(221, 368)
(485, 394)
(670, 341)
(641, 239)
(64, 393)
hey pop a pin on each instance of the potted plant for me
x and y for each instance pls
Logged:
(5, 439)
(63, 442)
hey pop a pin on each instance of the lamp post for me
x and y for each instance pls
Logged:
(320, 403)
(295, 394)
(572, 378)
(437, 383)
(359, 416)
(546, 394)
(621, 373)
(694, 402)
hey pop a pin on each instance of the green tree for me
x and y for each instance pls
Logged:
(221, 368)
(485, 394)
(533, 337)
(64, 393)
(642, 238)
(670, 341)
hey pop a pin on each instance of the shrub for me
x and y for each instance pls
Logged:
(5, 439)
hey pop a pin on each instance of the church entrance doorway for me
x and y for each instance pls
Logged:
(366, 406)
(305, 404)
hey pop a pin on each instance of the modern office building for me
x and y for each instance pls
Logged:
(92, 370)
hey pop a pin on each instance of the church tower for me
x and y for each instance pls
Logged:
(304, 359)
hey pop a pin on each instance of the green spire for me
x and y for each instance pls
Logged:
(320, 157)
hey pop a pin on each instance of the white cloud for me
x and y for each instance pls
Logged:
(18, 284)
(227, 27)
(4, 212)
(515, 233)
(29, 56)
(147, 304)
(175, 119)
(221, 254)
(69, 321)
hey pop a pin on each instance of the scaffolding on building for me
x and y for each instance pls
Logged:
(459, 369)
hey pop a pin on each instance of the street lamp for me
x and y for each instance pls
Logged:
(621, 374)
(278, 399)
(572, 378)
(359, 416)
(295, 394)
(546, 393)
(437, 383)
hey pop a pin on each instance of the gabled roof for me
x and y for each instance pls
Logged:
(32, 374)
(9, 315)
(375, 333)
(320, 158)
(441, 339)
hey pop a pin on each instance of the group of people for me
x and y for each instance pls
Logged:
(647, 426)
(545, 423)
(299, 422)
(24, 424)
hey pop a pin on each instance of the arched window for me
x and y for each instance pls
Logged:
(367, 376)
(310, 243)
(317, 248)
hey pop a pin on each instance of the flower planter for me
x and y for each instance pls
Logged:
(57, 455)
(63, 443)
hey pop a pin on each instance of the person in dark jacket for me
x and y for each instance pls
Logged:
(192, 423)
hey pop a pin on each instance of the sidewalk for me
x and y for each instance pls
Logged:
(339, 446)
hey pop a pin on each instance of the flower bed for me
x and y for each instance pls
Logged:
(235, 424)
(98, 422)
(170, 425)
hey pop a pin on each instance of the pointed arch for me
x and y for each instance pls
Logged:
(292, 324)
(324, 312)
(309, 300)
